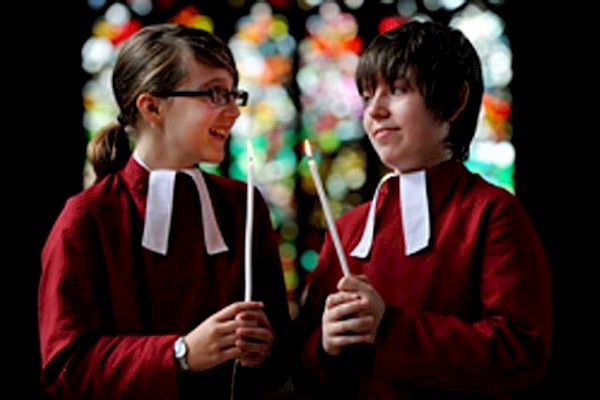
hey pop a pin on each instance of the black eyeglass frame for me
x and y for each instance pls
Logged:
(240, 97)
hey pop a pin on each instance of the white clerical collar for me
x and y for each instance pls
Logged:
(414, 208)
(159, 210)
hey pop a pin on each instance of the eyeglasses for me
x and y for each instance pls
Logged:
(218, 96)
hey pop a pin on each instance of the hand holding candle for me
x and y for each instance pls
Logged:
(325, 205)
(249, 223)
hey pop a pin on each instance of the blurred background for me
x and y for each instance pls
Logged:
(296, 58)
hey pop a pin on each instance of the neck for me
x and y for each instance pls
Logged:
(407, 168)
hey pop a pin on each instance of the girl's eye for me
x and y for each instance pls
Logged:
(366, 97)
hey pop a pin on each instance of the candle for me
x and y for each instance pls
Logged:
(325, 205)
(249, 222)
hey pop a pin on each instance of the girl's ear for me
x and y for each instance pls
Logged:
(150, 108)
(462, 101)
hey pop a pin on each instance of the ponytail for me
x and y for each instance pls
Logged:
(109, 150)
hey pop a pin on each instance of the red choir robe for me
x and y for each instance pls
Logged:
(469, 316)
(110, 310)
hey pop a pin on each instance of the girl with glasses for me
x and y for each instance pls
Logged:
(142, 287)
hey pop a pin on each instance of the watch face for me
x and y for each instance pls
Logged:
(180, 349)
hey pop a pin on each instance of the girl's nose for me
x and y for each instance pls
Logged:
(232, 110)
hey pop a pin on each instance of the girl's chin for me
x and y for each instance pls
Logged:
(213, 158)
(213, 161)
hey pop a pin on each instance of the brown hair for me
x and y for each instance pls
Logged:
(441, 60)
(151, 61)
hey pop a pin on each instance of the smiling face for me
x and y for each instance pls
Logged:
(188, 130)
(424, 85)
(403, 132)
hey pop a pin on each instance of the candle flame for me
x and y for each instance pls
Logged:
(307, 149)
(250, 150)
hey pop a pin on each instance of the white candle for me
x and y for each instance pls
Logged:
(325, 205)
(249, 222)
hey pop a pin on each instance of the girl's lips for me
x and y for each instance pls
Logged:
(221, 134)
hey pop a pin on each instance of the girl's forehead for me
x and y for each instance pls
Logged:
(201, 73)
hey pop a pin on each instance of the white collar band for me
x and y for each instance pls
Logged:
(414, 208)
(159, 210)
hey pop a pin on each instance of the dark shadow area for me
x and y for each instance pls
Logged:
(46, 148)
(552, 122)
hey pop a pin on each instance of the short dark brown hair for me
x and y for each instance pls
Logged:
(440, 60)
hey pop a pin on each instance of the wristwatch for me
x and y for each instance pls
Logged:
(180, 350)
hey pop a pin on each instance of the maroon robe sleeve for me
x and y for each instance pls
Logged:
(470, 314)
(110, 311)
(81, 357)
(311, 374)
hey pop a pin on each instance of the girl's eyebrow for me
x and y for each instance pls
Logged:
(215, 81)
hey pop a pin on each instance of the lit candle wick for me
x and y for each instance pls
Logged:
(325, 205)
